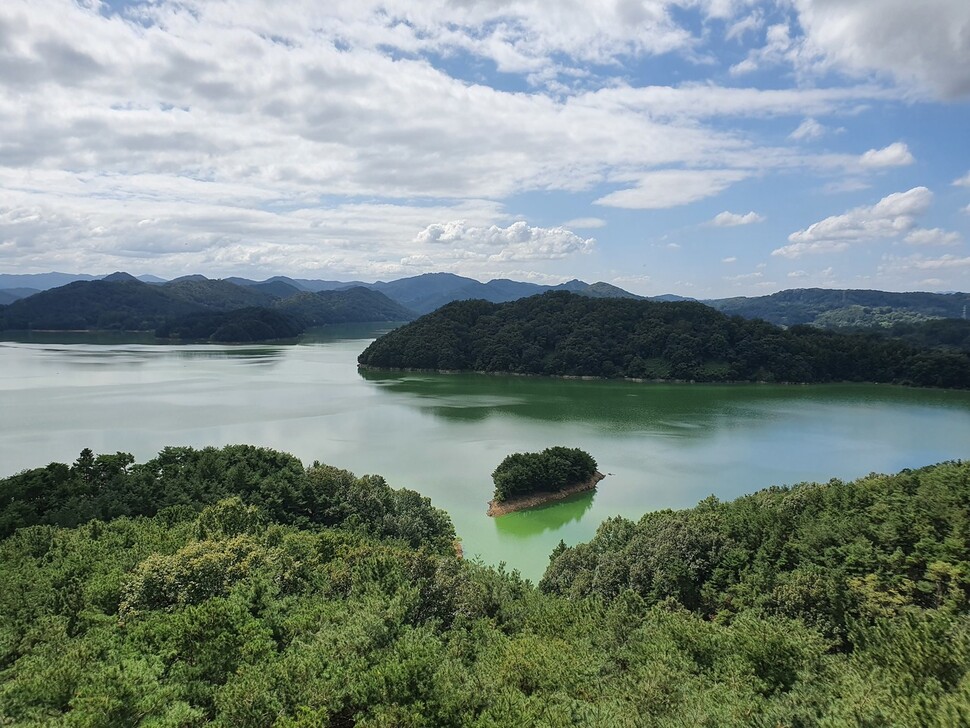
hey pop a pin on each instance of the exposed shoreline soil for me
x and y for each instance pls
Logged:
(542, 498)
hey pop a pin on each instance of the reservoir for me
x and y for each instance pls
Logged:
(661, 445)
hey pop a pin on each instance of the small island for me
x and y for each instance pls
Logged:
(527, 480)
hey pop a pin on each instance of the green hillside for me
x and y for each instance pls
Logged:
(350, 305)
(236, 587)
(564, 334)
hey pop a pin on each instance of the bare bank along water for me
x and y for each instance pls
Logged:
(662, 445)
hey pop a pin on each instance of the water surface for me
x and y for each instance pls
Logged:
(663, 445)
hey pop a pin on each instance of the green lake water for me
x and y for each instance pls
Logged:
(662, 445)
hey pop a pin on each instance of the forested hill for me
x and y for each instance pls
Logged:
(236, 587)
(565, 334)
(835, 308)
(831, 554)
(195, 307)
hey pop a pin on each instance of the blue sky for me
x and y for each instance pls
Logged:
(701, 147)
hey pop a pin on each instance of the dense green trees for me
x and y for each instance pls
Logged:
(263, 593)
(832, 555)
(183, 479)
(566, 334)
(552, 469)
(195, 308)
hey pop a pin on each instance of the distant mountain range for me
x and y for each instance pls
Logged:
(147, 301)
(195, 307)
(831, 308)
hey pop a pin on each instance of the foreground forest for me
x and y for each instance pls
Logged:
(561, 333)
(238, 587)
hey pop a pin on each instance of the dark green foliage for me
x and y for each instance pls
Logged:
(241, 325)
(944, 334)
(222, 615)
(183, 480)
(195, 308)
(565, 334)
(350, 305)
(112, 305)
(552, 469)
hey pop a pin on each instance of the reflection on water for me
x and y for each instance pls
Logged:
(670, 409)
(524, 525)
(106, 356)
(345, 332)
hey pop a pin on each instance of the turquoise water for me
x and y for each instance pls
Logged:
(662, 445)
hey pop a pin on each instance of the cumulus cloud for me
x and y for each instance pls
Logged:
(892, 216)
(923, 45)
(933, 236)
(730, 259)
(229, 135)
(733, 219)
(672, 187)
(963, 181)
(896, 154)
(518, 241)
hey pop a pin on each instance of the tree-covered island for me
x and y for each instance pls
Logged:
(528, 479)
(563, 334)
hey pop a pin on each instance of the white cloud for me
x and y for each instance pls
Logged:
(892, 216)
(672, 187)
(585, 223)
(733, 219)
(731, 259)
(778, 48)
(518, 241)
(745, 276)
(808, 129)
(749, 23)
(933, 236)
(942, 263)
(896, 154)
(232, 135)
(923, 45)
(963, 181)
(797, 274)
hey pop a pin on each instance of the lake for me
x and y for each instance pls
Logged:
(662, 445)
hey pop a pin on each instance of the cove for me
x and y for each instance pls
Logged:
(663, 445)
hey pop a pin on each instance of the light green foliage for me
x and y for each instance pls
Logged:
(215, 613)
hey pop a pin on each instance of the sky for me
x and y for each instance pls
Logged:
(706, 148)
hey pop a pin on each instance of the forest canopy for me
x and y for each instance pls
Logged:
(565, 334)
(236, 587)
(553, 469)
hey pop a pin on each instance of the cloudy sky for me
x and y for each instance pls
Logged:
(702, 147)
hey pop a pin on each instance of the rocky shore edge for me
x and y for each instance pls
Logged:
(543, 497)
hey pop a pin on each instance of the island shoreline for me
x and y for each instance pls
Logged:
(534, 500)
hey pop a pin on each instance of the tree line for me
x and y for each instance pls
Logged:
(561, 333)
